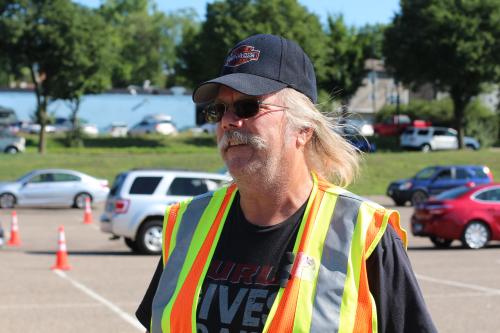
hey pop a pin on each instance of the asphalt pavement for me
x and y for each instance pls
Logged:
(106, 281)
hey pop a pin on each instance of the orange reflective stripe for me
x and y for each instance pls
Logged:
(394, 222)
(180, 318)
(363, 321)
(285, 313)
(172, 219)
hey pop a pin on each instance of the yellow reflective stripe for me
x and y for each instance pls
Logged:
(350, 296)
(379, 235)
(374, 315)
(199, 236)
(314, 249)
(279, 295)
(164, 227)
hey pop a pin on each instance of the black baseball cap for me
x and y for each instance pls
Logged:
(260, 65)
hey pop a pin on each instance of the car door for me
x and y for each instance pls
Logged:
(490, 200)
(39, 190)
(66, 186)
(442, 181)
(441, 139)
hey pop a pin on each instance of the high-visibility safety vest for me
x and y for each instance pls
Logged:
(328, 287)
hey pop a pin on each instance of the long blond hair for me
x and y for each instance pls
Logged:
(327, 153)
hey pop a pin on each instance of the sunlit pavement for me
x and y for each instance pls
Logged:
(106, 282)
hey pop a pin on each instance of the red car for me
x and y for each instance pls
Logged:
(469, 214)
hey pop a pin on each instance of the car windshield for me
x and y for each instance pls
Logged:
(426, 173)
(453, 193)
(25, 177)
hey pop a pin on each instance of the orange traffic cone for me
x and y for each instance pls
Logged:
(87, 216)
(14, 240)
(62, 253)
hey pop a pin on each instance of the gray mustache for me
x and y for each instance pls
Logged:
(237, 138)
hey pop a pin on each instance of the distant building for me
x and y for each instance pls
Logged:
(378, 89)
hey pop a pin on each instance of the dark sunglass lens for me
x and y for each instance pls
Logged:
(246, 108)
(214, 112)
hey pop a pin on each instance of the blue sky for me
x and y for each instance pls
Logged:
(356, 12)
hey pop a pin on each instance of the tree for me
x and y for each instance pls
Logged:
(345, 60)
(60, 43)
(137, 41)
(227, 22)
(453, 44)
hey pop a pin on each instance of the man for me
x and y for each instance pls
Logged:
(281, 249)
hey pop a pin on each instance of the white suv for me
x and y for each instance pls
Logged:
(138, 199)
(434, 138)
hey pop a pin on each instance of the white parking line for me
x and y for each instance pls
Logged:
(487, 290)
(125, 316)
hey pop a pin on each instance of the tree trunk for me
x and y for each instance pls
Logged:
(41, 107)
(460, 101)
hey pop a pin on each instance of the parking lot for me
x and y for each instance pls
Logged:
(102, 290)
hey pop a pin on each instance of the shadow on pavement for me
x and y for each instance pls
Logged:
(91, 253)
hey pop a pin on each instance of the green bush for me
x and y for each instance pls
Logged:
(481, 123)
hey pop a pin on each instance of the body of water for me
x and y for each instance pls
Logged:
(104, 109)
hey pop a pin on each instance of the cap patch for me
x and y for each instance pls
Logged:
(241, 55)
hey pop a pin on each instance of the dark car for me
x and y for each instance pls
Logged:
(361, 143)
(436, 179)
(469, 214)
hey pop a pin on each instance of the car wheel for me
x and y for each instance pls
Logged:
(11, 150)
(441, 243)
(149, 239)
(7, 200)
(476, 235)
(470, 147)
(132, 244)
(418, 197)
(425, 148)
(79, 201)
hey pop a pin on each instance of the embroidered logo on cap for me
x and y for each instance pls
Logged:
(242, 55)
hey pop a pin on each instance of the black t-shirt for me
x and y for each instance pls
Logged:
(243, 278)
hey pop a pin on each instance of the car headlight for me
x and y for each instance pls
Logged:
(405, 186)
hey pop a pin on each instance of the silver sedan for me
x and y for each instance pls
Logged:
(53, 187)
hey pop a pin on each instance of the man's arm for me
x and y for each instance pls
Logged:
(400, 304)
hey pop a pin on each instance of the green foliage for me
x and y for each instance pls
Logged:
(481, 123)
(62, 44)
(345, 60)
(201, 54)
(451, 44)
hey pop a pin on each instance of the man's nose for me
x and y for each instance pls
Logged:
(230, 119)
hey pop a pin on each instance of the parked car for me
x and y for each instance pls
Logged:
(357, 126)
(361, 143)
(396, 124)
(11, 143)
(7, 116)
(158, 123)
(434, 138)
(62, 125)
(434, 180)
(138, 199)
(117, 130)
(53, 187)
(471, 215)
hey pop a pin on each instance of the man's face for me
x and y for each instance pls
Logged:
(252, 146)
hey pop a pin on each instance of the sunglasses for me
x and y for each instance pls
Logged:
(244, 109)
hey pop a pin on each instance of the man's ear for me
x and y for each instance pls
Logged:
(305, 134)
